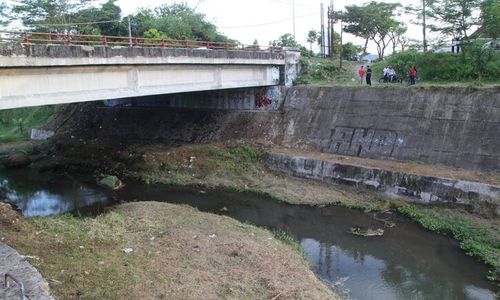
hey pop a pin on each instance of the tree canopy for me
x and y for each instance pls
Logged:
(454, 17)
(177, 21)
(48, 15)
(374, 21)
(490, 18)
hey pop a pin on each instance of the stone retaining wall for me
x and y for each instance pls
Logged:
(456, 127)
(483, 198)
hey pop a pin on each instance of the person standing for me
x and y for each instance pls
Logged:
(413, 74)
(368, 75)
(361, 74)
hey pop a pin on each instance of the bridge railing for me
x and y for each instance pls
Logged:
(86, 39)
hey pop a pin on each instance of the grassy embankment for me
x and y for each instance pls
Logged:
(476, 68)
(16, 123)
(177, 253)
(241, 167)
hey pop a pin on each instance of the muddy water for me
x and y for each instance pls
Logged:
(406, 263)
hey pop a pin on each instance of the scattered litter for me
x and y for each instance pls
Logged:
(24, 257)
(212, 236)
(82, 247)
(367, 232)
(203, 192)
(127, 250)
(196, 248)
(152, 238)
(223, 209)
(100, 263)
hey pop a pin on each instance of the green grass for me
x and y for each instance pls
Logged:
(475, 239)
(320, 71)
(16, 123)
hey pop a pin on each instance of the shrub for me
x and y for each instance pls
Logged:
(475, 63)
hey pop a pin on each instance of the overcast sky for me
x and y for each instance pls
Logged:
(266, 20)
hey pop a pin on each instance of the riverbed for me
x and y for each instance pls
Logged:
(407, 262)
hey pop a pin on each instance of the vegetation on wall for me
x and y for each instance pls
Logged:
(16, 123)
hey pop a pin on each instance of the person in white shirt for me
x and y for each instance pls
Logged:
(386, 74)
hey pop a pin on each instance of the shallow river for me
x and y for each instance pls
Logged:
(405, 263)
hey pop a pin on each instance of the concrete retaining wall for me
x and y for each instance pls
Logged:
(481, 197)
(455, 127)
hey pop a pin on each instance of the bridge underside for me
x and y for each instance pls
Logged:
(34, 86)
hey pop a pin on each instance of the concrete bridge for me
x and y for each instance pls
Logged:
(39, 74)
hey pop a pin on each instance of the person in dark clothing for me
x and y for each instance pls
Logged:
(368, 75)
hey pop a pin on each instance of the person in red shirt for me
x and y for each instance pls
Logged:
(361, 74)
(413, 74)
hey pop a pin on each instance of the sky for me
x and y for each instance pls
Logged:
(266, 20)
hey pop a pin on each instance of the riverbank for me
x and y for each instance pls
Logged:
(241, 166)
(148, 250)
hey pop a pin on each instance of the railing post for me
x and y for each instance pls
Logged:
(104, 40)
(26, 39)
(68, 40)
(136, 42)
(163, 43)
(186, 44)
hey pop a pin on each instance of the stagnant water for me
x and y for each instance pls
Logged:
(405, 263)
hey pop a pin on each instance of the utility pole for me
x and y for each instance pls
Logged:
(332, 31)
(322, 46)
(129, 32)
(293, 5)
(328, 31)
(424, 25)
(341, 48)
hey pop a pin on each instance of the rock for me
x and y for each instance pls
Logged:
(367, 232)
(111, 182)
(16, 160)
(127, 250)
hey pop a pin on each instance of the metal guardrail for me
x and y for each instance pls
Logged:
(85, 39)
(17, 281)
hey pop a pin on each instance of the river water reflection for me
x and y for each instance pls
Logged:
(406, 263)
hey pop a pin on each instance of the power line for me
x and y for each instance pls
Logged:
(265, 24)
(73, 24)
(290, 3)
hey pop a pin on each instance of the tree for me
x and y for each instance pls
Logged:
(105, 20)
(286, 40)
(349, 50)
(154, 33)
(490, 18)
(396, 36)
(178, 21)
(421, 13)
(455, 17)
(312, 37)
(357, 22)
(3, 14)
(48, 15)
(372, 21)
